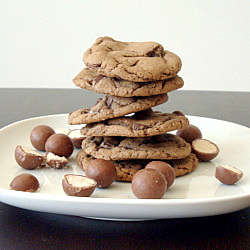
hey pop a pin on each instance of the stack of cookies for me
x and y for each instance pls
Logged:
(121, 126)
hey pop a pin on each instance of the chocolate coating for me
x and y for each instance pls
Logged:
(28, 159)
(103, 171)
(227, 174)
(166, 169)
(205, 150)
(25, 182)
(149, 184)
(59, 144)
(39, 136)
(189, 133)
(78, 185)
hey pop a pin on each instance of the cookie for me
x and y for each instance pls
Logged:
(167, 146)
(184, 166)
(114, 106)
(90, 80)
(141, 124)
(127, 169)
(132, 61)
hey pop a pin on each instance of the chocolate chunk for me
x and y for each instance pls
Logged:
(109, 142)
(145, 113)
(109, 101)
(156, 52)
(152, 54)
(97, 140)
(143, 140)
(89, 82)
(98, 100)
(98, 78)
(117, 79)
(137, 126)
(161, 138)
(94, 66)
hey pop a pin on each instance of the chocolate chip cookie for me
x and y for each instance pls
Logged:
(114, 106)
(127, 169)
(141, 124)
(132, 61)
(164, 147)
(184, 166)
(93, 81)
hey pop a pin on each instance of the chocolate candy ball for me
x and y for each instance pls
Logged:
(228, 174)
(166, 169)
(149, 184)
(39, 136)
(28, 158)
(103, 171)
(59, 144)
(78, 185)
(189, 133)
(205, 150)
(25, 182)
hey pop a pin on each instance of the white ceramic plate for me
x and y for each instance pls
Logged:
(193, 195)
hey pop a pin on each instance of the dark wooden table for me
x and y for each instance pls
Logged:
(24, 229)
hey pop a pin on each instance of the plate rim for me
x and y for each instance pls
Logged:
(39, 196)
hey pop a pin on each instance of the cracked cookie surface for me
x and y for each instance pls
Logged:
(127, 169)
(141, 124)
(93, 81)
(132, 61)
(113, 106)
(167, 146)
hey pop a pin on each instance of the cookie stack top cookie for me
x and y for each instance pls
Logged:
(132, 61)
